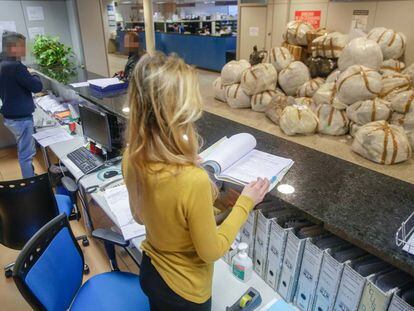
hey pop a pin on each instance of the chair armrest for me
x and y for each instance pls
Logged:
(109, 236)
(69, 184)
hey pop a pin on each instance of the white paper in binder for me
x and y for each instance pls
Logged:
(118, 202)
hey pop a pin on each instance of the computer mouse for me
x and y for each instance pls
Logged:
(110, 174)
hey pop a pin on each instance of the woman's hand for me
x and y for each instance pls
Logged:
(256, 190)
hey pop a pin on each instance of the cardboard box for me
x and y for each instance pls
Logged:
(262, 236)
(398, 304)
(350, 289)
(308, 275)
(248, 231)
(291, 266)
(328, 283)
(373, 298)
(276, 250)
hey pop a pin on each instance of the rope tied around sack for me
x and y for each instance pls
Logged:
(364, 74)
(387, 132)
(409, 102)
(404, 86)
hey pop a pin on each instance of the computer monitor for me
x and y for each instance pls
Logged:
(95, 126)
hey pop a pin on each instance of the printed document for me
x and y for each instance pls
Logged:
(118, 202)
(49, 137)
(235, 160)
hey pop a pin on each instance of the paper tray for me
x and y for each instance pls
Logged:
(110, 88)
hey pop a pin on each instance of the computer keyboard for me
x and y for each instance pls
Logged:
(85, 160)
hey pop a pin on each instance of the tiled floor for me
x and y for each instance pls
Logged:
(10, 298)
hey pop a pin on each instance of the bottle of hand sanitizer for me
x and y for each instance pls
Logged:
(242, 265)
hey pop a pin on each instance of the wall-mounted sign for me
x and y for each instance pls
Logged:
(35, 13)
(35, 31)
(360, 19)
(254, 31)
(311, 17)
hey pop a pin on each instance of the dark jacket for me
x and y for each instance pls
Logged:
(133, 59)
(16, 87)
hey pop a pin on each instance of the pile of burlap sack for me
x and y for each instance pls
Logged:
(367, 93)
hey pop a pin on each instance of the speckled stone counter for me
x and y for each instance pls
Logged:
(358, 204)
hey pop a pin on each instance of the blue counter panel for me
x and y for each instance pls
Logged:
(206, 52)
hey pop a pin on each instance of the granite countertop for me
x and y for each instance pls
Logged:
(360, 205)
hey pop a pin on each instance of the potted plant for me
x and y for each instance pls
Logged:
(55, 58)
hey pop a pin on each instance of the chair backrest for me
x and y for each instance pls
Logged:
(26, 205)
(48, 271)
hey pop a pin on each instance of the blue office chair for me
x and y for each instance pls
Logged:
(48, 273)
(26, 205)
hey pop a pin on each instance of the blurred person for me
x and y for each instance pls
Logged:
(16, 87)
(170, 192)
(135, 51)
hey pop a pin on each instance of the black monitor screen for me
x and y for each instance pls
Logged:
(95, 126)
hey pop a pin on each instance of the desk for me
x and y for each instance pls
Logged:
(223, 279)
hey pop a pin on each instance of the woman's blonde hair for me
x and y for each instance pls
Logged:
(165, 101)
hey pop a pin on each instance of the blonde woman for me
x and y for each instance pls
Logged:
(169, 192)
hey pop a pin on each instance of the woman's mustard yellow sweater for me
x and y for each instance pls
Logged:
(183, 240)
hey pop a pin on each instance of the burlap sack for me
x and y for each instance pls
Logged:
(405, 120)
(260, 102)
(332, 121)
(382, 142)
(370, 110)
(392, 43)
(403, 102)
(298, 120)
(219, 90)
(277, 105)
(236, 97)
(293, 77)
(391, 66)
(353, 128)
(327, 94)
(295, 32)
(308, 102)
(394, 84)
(279, 57)
(310, 87)
(358, 83)
(321, 67)
(329, 46)
(259, 78)
(409, 71)
(361, 51)
(333, 76)
(410, 137)
(232, 71)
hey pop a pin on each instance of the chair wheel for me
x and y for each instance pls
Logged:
(86, 269)
(85, 242)
(8, 273)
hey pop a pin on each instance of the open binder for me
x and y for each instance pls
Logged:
(236, 160)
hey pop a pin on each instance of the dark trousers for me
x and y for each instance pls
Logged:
(161, 297)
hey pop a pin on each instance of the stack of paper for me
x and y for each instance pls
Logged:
(118, 202)
(55, 135)
(51, 103)
(103, 83)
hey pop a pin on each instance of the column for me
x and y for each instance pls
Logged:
(149, 26)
